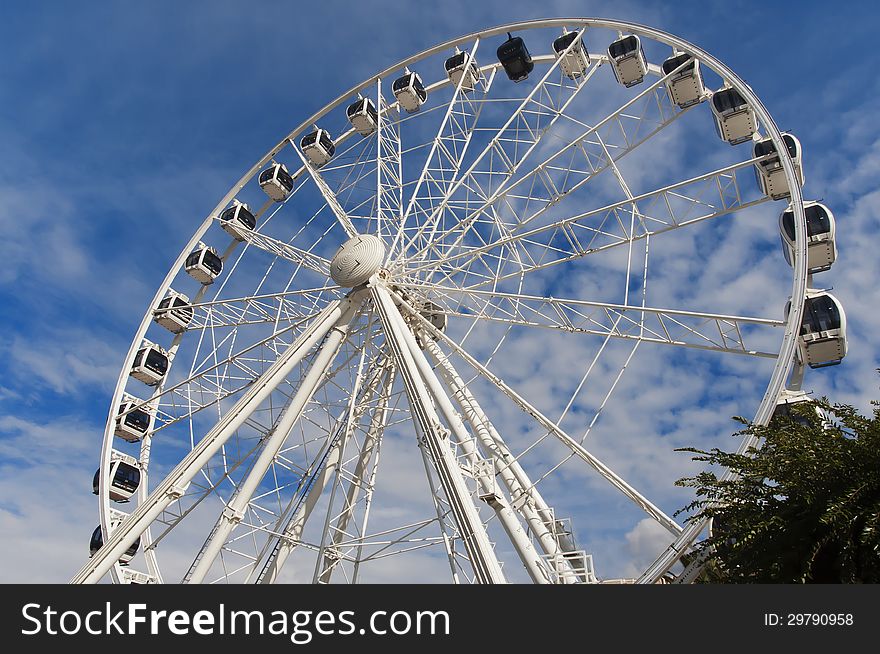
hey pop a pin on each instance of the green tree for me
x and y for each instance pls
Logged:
(803, 507)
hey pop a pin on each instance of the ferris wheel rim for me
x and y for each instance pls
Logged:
(786, 353)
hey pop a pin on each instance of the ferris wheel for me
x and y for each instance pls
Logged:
(399, 346)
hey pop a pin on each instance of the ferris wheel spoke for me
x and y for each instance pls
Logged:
(234, 511)
(360, 479)
(576, 162)
(511, 144)
(175, 484)
(388, 208)
(470, 525)
(217, 378)
(329, 196)
(691, 329)
(300, 257)
(572, 444)
(448, 149)
(698, 199)
(526, 498)
(281, 309)
(326, 469)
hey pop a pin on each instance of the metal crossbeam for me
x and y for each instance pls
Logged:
(693, 329)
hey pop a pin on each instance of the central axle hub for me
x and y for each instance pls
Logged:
(356, 260)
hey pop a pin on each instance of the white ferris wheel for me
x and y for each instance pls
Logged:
(394, 344)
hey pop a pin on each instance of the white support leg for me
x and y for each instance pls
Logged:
(470, 526)
(576, 448)
(448, 541)
(292, 534)
(377, 425)
(235, 510)
(176, 483)
(506, 516)
(526, 498)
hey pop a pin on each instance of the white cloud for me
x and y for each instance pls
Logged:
(47, 511)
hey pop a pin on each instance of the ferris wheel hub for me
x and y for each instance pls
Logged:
(356, 260)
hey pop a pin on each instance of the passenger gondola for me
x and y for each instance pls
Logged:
(204, 264)
(431, 312)
(124, 476)
(459, 67)
(129, 576)
(409, 91)
(786, 408)
(822, 340)
(150, 364)
(363, 116)
(769, 172)
(685, 87)
(435, 315)
(318, 147)
(97, 542)
(276, 182)
(238, 220)
(628, 60)
(515, 58)
(735, 119)
(132, 423)
(577, 61)
(821, 244)
(174, 312)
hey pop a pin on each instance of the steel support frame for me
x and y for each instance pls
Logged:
(527, 500)
(292, 533)
(235, 510)
(435, 437)
(176, 483)
(358, 480)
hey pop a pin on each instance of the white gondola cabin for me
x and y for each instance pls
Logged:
(435, 315)
(460, 67)
(823, 330)
(685, 87)
(204, 264)
(276, 182)
(129, 576)
(363, 116)
(174, 312)
(431, 312)
(237, 220)
(409, 91)
(735, 119)
(576, 62)
(628, 60)
(821, 245)
(124, 476)
(132, 420)
(97, 542)
(786, 408)
(318, 147)
(769, 172)
(150, 364)
(515, 58)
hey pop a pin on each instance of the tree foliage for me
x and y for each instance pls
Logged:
(803, 507)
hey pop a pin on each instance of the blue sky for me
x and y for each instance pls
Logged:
(124, 123)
